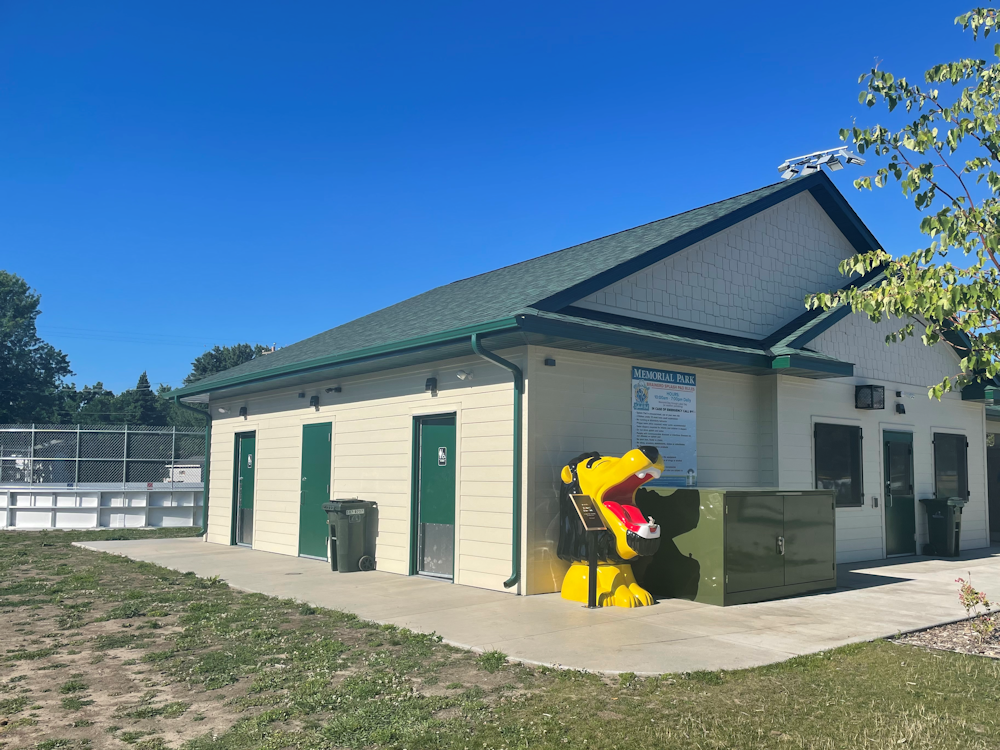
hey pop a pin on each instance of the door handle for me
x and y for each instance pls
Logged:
(781, 545)
(888, 499)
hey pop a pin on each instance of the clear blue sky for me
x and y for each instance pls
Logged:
(176, 175)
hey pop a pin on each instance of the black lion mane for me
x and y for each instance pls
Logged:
(572, 536)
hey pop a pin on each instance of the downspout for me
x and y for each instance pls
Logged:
(208, 449)
(515, 562)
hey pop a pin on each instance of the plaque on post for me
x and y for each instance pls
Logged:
(590, 515)
(593, 522)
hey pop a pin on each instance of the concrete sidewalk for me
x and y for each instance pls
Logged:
(876, 600)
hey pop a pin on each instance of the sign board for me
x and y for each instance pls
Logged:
(586, 508)
(664, 415)
(442, 456)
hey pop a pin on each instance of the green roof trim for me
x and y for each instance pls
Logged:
(490, 302)
(984, 393)
(208, 385)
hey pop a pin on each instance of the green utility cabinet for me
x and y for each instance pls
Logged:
(727, 546)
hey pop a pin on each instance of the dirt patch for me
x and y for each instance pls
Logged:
(958, 637)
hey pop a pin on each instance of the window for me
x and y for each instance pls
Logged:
(838, 463)
(951, 467)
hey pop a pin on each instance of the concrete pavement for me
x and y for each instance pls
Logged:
(875, 600)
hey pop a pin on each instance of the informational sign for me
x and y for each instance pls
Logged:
(442, 456)
(587, 509)
(664, 415)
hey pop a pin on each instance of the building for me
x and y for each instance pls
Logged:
(499, 379)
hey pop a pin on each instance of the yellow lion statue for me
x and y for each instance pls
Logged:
(612, 483)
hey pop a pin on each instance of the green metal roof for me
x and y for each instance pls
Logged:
(491, 302)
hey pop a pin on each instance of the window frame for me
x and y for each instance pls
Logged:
(857, 492)
(963, 441)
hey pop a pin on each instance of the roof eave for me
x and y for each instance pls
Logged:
(356, 356)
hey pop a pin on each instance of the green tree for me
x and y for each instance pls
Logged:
(31, 371)
(141, 405)
(943, 150)
(220, 358)
(180, 417)
(89, 405)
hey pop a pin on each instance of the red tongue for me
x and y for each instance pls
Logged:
(629, 515)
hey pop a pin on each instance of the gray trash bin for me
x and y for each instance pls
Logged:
(353, 528)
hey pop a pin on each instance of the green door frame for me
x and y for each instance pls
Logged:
(415, 487)
(235, 507)
(890, 499)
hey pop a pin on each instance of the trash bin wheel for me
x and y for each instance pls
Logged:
(366, 563)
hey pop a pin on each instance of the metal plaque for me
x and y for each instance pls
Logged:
(590, 514)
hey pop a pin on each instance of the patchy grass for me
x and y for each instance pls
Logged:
(101, 651)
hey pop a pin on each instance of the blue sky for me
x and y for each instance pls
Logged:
(178, 175)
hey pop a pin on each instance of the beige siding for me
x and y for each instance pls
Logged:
(802, 403)
(372, 445)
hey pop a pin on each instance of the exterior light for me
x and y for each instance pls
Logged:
(302, 394)
(314, 402)
(223, 411)
(901, 408)
(243, 412)
(463, 375)
(550, 362)
(869, 397)
(431, 386)
(812, 163)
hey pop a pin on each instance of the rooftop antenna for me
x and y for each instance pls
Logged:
(814, 162)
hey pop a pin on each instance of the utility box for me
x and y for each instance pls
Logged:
(730, 546)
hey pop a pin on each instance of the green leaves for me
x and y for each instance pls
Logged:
(923, 291)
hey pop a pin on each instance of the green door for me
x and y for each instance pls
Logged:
(900, 513)
(809, 546)
(246, 444)
(754, 528)
(317, 450)
(436, 497)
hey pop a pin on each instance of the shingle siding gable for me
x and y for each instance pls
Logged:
(748, 280)
(858, 340)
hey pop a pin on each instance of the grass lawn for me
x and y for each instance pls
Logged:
(102, 652)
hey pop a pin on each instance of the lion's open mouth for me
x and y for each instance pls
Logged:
(642, 535)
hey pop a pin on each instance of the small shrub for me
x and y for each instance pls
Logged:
(491, 661)
(982, 624)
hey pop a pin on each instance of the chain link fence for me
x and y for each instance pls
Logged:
(88, 456)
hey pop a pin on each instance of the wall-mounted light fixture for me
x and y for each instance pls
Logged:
(223, 411)
(431, 386)
(549, 362)
(869, 397)
(335, 389)
(302, 394)
(463, 375)
(243, 412)
(901, 408)
(314, 402)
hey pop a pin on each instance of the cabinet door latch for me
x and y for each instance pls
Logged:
(781, 545)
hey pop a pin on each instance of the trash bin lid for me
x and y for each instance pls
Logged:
(340, 505)
(960, 501)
